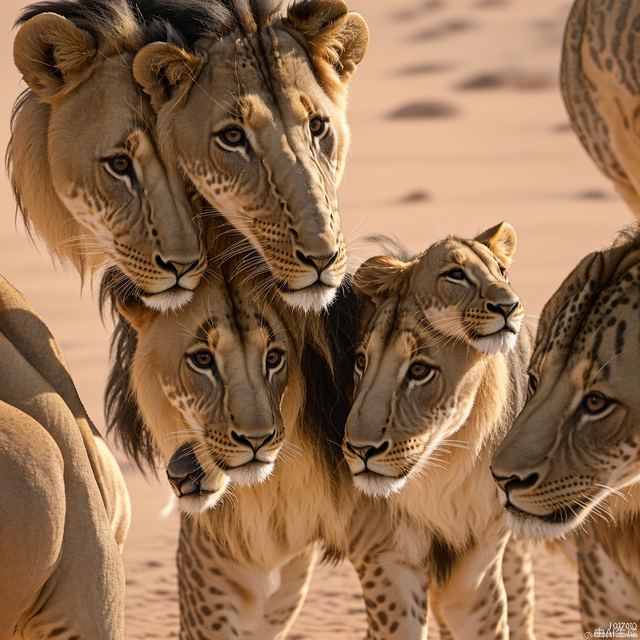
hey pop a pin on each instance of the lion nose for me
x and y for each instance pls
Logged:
(178, 269)
(319, 263)
(184, 472)
(504, 309)
(255, 443)
(368, 451)
(509, 483)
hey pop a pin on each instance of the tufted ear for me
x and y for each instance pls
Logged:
(502, 240)
(381, 277)
(330, 33)
(163, 69)
(136, 313)
(50, 51)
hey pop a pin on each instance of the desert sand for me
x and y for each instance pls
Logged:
(457, 123)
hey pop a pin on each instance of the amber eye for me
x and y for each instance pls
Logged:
(318, 126)
(455, 274)
(595, 403)
(420, 371)
(120, 164)
(275, 358)
(202, 359)
(233, 137)
(361, 362)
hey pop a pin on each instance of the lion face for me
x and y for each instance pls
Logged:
(210, 380)
(264, 141)
(124, 206)
(577, 440)
(414, 389)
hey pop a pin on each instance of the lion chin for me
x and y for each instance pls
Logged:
(544, 528)
(171, 300)
(194, 505)
(499, 342)
(313, 298)
(378, 486)
(250, 474)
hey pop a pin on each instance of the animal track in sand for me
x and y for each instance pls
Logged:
(424, 109)
(425, 68)
(515, 80)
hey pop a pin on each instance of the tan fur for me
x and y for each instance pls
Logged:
(60, 152)
(601, 89)
(424, 445)
(65, 504)
(244, 563)
(268, 79)
(567, 467)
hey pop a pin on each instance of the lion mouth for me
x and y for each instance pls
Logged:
(507, 328)
(563, 515)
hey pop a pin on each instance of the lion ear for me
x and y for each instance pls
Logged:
(331, 32)
(136, 313)
(380, 277)
(163, 69)
(502, 240)
(50, 51)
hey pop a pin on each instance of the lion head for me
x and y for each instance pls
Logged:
(417, 380)
(209, 381)
(83, 158)
(255, 116)
(577, 440)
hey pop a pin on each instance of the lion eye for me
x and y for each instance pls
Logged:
(533, 384)
(420, 371)
(503, 271)
(233, 137)
(318, 127)
(275, 358)
(595, 403)
(120, 164)
(456, 274)
(202, 359)
(361, 362)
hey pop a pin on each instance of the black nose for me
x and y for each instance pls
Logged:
(368, 451)
(255, 443)
(502, 309)
(319, 263)
(178, 269)
(184, 472)
(509, 483)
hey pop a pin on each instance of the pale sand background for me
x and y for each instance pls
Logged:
(483, 138)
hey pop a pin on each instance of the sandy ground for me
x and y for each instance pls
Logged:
(457, 124)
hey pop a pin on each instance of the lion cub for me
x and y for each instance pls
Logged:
(440, 376)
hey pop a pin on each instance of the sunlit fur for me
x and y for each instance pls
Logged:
(65, 505)
(586, 343)
(182, 403)
(432, 437)
(465, 309)
(249, 531)
(69, 122)
(600, 90)
(270, 72)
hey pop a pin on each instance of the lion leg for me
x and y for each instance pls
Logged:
(283, 607)
(606, 592)
(32, 514)
(85, 595)
(473, 601)
(21, 324)
(223, 599)
(517, 575)
(394, 589)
